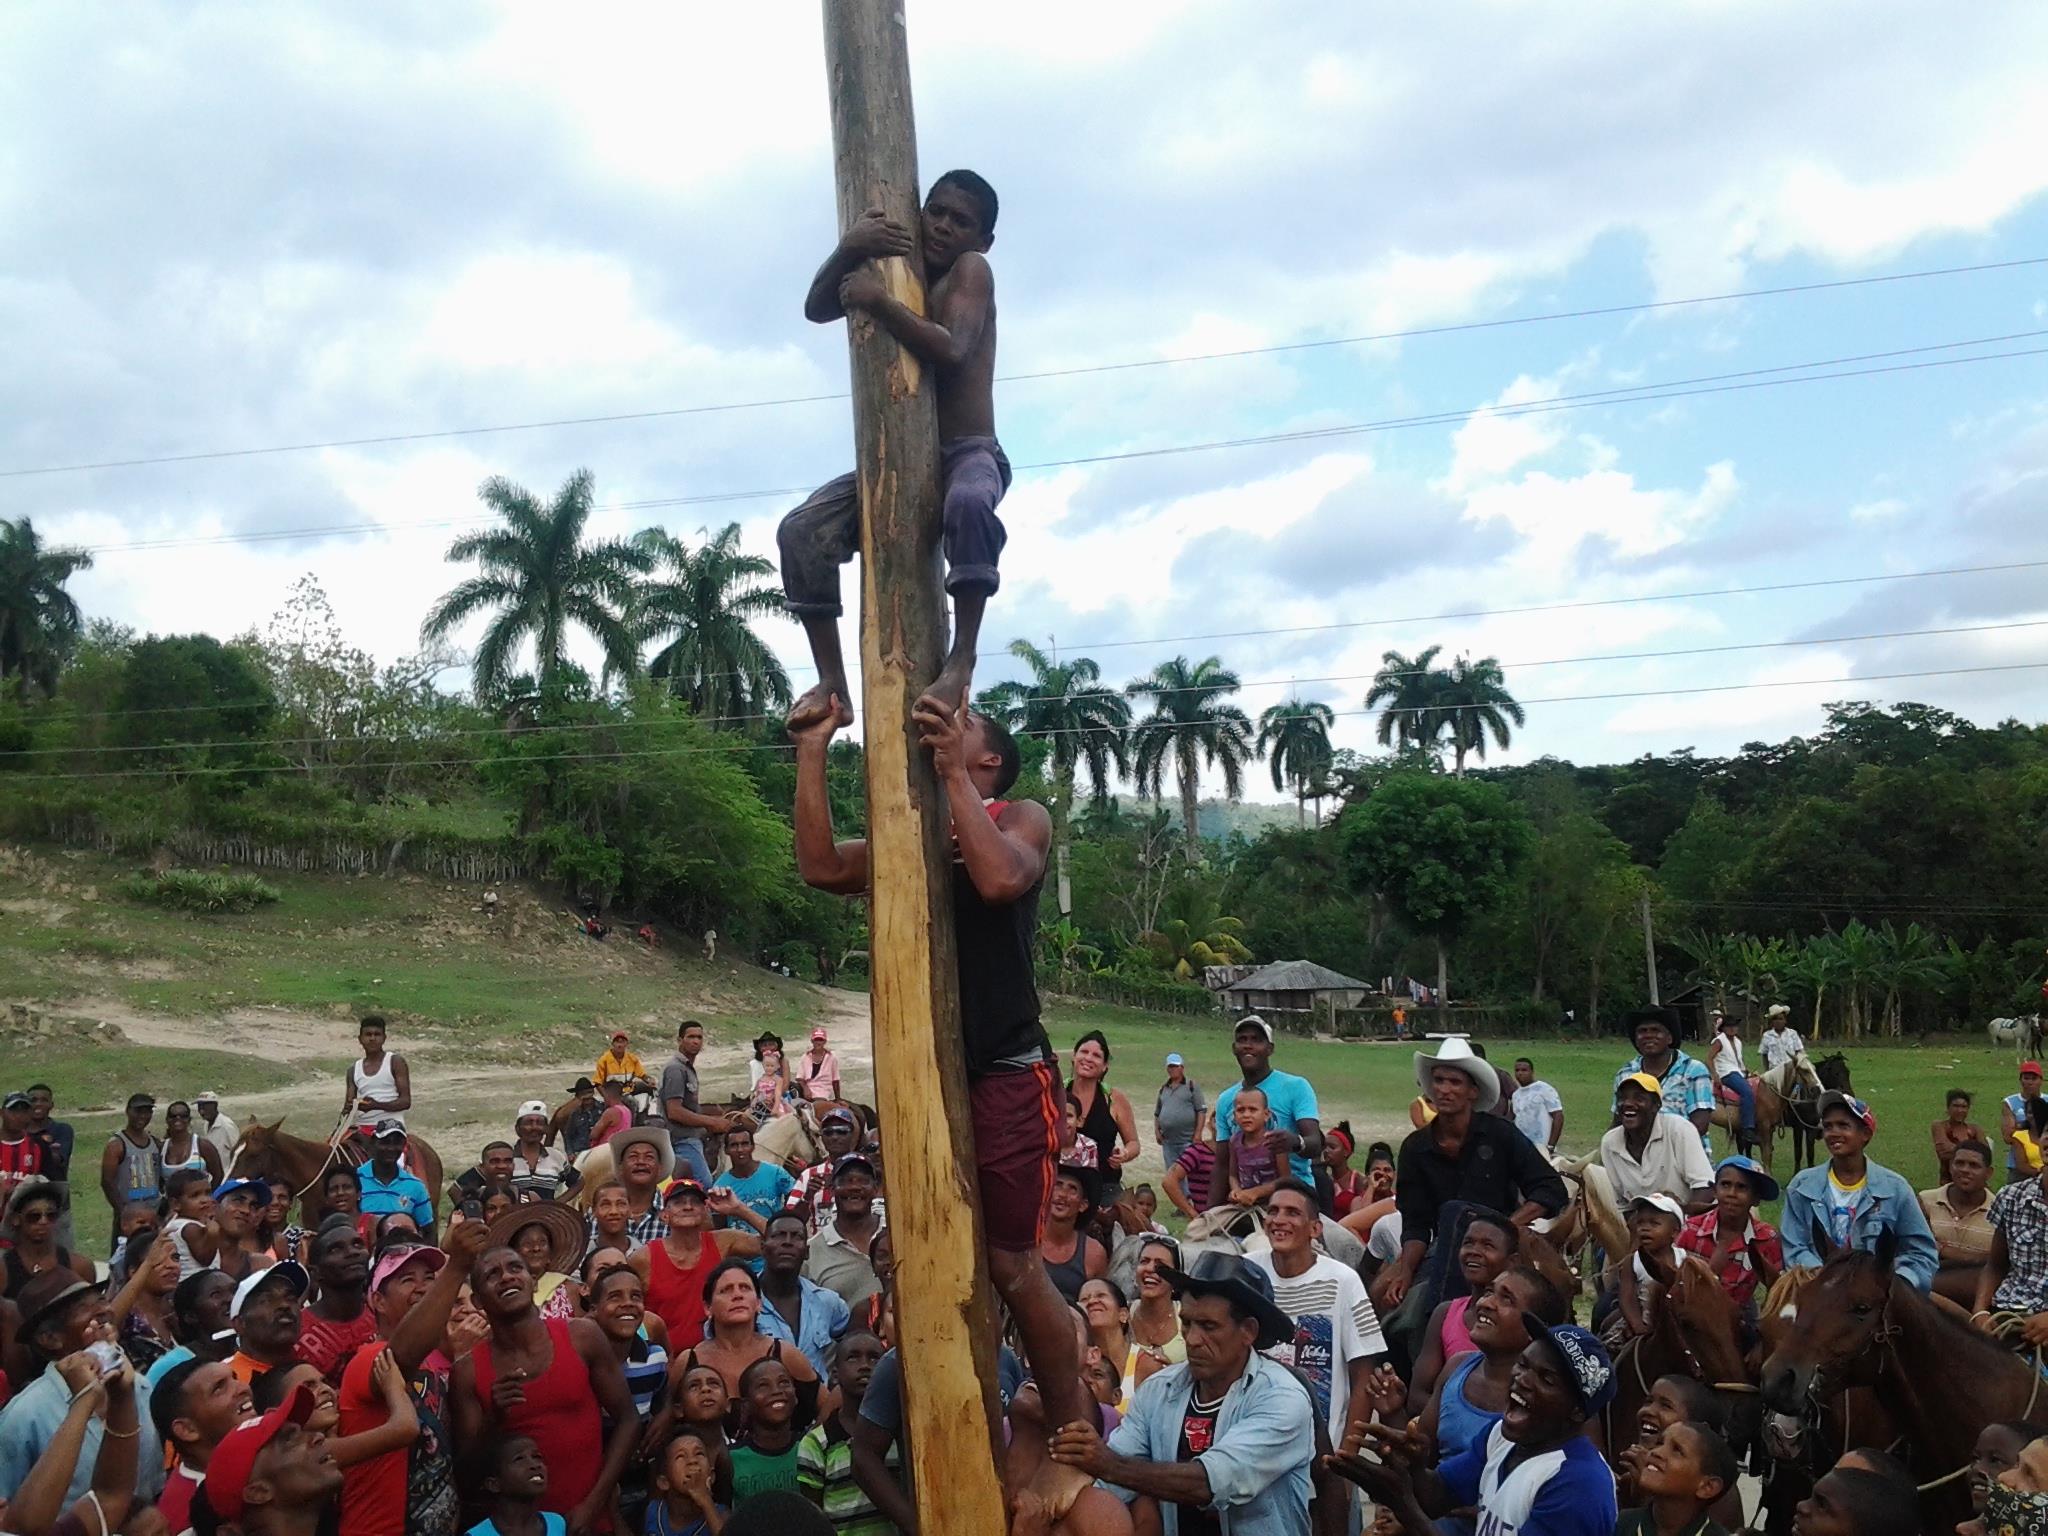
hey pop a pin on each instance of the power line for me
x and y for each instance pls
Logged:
(1773, 376)
(1029, 699)
(1409, 333)
(1448, 709)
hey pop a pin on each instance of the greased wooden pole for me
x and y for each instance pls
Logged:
(945, 1330)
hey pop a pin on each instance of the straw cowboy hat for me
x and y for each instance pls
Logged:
(1454, 1052)
(565, 1229)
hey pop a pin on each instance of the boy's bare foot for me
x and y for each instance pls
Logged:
(820, 703)
(952, 683)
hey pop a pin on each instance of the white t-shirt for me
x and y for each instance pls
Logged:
(1533, 1107)
(1385, 1242)
(1334, 1325)
(1780, 1046)
(1727, 1054)
(178, 1234)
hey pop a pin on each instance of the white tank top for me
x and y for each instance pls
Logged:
(381, 1085)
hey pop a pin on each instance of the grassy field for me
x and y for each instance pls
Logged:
(99, 993)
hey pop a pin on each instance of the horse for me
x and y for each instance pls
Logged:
(268, 1152)
(1694, 1331)
(1939, 1380)
(1802, 1109)
(1774, 1092)
(2022, 1034)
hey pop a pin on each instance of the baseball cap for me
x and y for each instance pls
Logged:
(677, 1188)
(234, 1459)
(387, 1126)
(853, 1160)
(531, 1107)
(1835, 1099)
(618, 1034)
(1173, 1059)
(819, 1034)
(1760, 1179)
(15, 1100)
(1587, 1365)
(148, 1101)
(289, 1271)
(843, 1115)
(236, 1186)
(392, 1261)
(2030, 1069)
(208, 1097)
(1253, 1021)
(1644, 1081)
(1656, 1199)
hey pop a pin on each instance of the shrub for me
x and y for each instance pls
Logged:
(195, 890)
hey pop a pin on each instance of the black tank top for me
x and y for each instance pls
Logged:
(998, 976)
(1099, 1126)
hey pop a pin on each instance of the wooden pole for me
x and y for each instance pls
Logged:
(945, 1328)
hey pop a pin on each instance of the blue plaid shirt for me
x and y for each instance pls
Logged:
(1688, 1086)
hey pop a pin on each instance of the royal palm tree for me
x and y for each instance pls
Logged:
(698, 607)
(1407, 691)
(1295, 738)
(1476, 704)
(1085, 726)
(540, 576)
(1190, 726)
(39, 620)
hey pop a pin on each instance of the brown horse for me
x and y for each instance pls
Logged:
(1693, 1332)
(1938, 1379)
(1775, 1090)
(268, 1152)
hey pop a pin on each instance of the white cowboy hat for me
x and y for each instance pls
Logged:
(1454, 1052)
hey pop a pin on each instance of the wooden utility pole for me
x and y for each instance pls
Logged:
(946, 1328)
(1650, 951)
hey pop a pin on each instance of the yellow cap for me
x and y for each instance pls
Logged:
(1642, 1080)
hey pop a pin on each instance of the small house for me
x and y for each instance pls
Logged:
(1295, 986)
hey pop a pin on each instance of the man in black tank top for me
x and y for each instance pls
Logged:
(999, 858)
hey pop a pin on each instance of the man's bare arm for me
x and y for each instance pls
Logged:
(954, 331)
(841, 868)
(1004, 856)
(873, 234)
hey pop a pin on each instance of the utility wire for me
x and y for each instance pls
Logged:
(1412, 332)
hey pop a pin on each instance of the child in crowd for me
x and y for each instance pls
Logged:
(1080, 1151)
(824, 1458)
(1683, 1476)
(1147, 1201)
(764, 1456)
(1673, 1400)
(1998, 1452)
(512, 1493)
(1248, 1165)
(766, 1100)
(396, 1433)
(703, 1407)
(685, 1503)
(1653, 1222)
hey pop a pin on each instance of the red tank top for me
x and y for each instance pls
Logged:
(560, 1413)
(676, 1295)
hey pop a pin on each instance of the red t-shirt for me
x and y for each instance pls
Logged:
(175, 1505)
(373, 1491)
(324, 1344)
(19, 1160)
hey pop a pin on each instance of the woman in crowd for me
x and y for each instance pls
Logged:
(1348, 1187)
(878, 1313)
(1487, 1246)
(497, 1200)
(1156, 1340)
(185, 1148)
(142, 1307)
(1108, 1312)
(1106, 1117)
(32, 1214)
(732, 1306)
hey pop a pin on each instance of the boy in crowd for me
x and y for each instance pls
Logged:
(824, 1458)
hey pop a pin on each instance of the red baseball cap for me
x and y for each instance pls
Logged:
(2030, 1069)
(234, 1459)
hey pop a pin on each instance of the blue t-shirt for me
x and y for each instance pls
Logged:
(1565, 1492)
(405, 1195)
(1288, 1099)
(761, 1192)
(550, 1524)
(658, 1523)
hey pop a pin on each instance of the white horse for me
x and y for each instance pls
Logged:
(2022, 1034)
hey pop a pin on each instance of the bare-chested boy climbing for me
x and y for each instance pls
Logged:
(958, 342)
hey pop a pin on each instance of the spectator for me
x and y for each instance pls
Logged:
(1071, 1257)
(683, 1480)
(1105, 1114)
(1954, 1128)
(678, 1267)
(199, 1321)
(1849, 1503)
(1462, 1157)
(732, 1342)
(274, 1476)
(818, 1070)
(1247, 1166)
(1683, 1476)
(142, 1307)
(493, 1170)
(1336, 1340)
(645, 1160)
(59, 1140)
(193, 1408)
(1227, 1436)
(610, 1217)
(764, 1455)
(513, 1488)
(131, 1167)
(1190, 1177)
(1684, 1085)
(2015, 1277)
(838, 1258)
(1290, 1100)
(762, 1188)
(1347, 1184)
(1853, 1199)
(1958, 1212)
(1744, 1252)
(551, 1239)
(183, 1147)
(1501, 1105)
(1488, 1244)
(266, 1317)
(795, 1308)
(614, 1115)
(839, 1131)
(581, 1120)
(1539, 1112)
(686, 1121)
(32, 1211)
(377, 1089)
(880, 1428)
(824, 1457)
(220, 1130)
(1177, 1111)
(42, 1501)
(1650, 1152)
(1779, 1042)
(620, 1060)
(1156, 1340)
(60, 1315)
(221, 1230)
(388, 1189)
(617, 1303)
(539, 1172)
(1724, 1065)
(21, 1155)
(338, 1321)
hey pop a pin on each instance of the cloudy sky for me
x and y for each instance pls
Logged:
(243, 226)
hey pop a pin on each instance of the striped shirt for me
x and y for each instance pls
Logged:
(824, 1472)
(1334, 1325)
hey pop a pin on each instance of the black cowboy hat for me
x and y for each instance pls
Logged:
(582, 1085)
(1238, 1281)
(1664, 1018)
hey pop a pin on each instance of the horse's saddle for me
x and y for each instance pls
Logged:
(1726, 1095)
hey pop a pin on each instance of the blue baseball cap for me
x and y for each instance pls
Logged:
(1173, 1059)
(1765, 1186)
(236, 1186)
(1586, 1361)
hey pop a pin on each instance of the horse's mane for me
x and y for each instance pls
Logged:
(1954, 1331)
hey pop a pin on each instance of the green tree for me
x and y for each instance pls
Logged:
(1294, 737)
(698, 609)
(1190, 726)
(1439, 851)
(1194, 932)
(39, 620)
(541, 577)
(1476, 704)
(1085, 728)
(1408, 693)
(188, 702)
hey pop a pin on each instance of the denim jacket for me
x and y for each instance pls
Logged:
(1258, 1465)
(1891, 1203)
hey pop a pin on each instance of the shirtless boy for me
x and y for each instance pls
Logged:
(998, 867)
(958, 341)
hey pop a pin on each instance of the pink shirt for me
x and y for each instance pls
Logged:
(1457, 1332)
(819, 1075)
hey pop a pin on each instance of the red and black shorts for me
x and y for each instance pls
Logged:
(1018, 1117)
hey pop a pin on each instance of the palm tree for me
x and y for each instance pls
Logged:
(1084, 725)
(540, 576)
(1295, 740)
(699, 604)
(1190, 726)
(1813, 967)
(1407, 692)
(1475, 704)
(39, 620)
(1194, 933)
